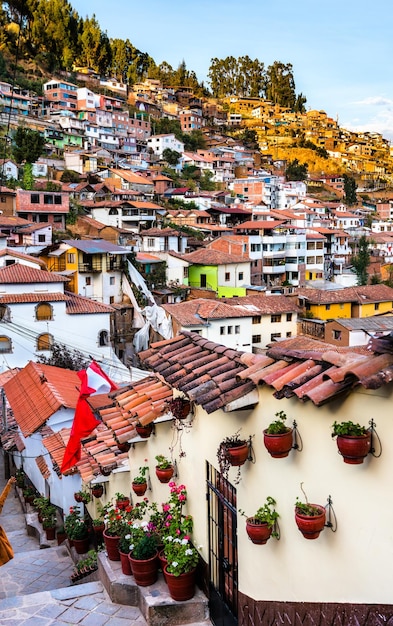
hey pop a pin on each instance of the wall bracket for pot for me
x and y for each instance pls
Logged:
(374, 436)
(297, 440)
(331, 520)
(251, 453)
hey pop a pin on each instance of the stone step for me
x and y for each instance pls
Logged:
(154, 601)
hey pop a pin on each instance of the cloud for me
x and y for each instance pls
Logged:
(374, 101)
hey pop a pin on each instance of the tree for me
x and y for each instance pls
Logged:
(194, 140)
(171, 156)
(296, 170)
(28, 145)
(205, 182)
(280, 85)
(361, 260)
(350, 187)
(65, 357)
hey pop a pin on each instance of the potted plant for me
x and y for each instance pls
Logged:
(232, 451)
(139, 483)
(277, 437)
(182, 559)
(310, 518)
(164, 469)
(261, 526)
(82, 496)
(49, 520)
(20, 478)
(61, 535)
(353, 441)
(144, 430)
(122, 501)
(29, 494)
(125, 546)
(179, 407)
(97, 490)
(77, 530)
(144, 557)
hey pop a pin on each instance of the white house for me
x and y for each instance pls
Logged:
(159, 143)
(9, 169)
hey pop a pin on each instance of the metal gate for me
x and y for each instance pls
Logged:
(223, 596)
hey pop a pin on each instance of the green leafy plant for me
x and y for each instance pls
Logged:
(49, 516)
(278, 427)
(75, 526)
(20, 478)
(82, 496)
(305, 508)
(181, 555)
(348, 429)
(223, 458)
(163, 462)
(145, 548)
(141, 478)
(266, 514)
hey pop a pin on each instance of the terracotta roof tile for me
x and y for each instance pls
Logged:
(38, 391)
(19, 273)
(43, 467)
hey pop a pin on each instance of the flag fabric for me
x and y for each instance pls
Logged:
(93, 381)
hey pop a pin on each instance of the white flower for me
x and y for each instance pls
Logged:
(184, 542)
(175, 563)
(189, 552)
(135, 525)
(144, 524)
(127, 537)
(131, 547)
(169, 538)
(177, 540)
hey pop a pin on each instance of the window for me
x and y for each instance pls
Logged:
(230, 329)
(112, 280)
(336, 335)
(222, 330)
(88, 281)
(275, 318)
(48, 199)
(327, 307)
(103, 338)
(112, 300)
(58, 199)
(150, 242)
(5, 344)
(376, 306)
(256, 339)
(41, 238)
(289, 334)
(227, 276)
(43, 311)
(256, 319)
(4, 313)
(71, 257)
(289, 317)
(185, 272)
(44, 342)
(237, 330)
(241, 275)
(35, 198)
(275, 336)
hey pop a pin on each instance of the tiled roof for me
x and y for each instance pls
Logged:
(361, 294)
(20, 255)
(80, 305)
(55, 443)
(264, 304)
(259, 225)
(200, 310)
(43, 467)
(207, 256)
(95, 246)
(215, 376)
(37, 391)
(21, 298)
(19, 273)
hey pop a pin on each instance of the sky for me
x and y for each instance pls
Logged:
(341, 51)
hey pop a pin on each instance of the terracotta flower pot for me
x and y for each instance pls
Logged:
(81, 545)
(124, 447)
(144, 431)
(50, 533)
(182, 587)
(139, 488)
(258, 532)
(112, 546)
(354, 449)
(279, 445)
(163, 562)
(164, 475)
(123, 504)
(145, 571)
(125, 564)
(311, 526)
(97, 491)
(237, 455)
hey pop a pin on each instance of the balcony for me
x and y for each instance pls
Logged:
(91, 267)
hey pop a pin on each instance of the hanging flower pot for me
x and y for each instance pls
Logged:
(353, 441)
(258, 532)
(139, 488)
(122, 502)
(124, 447)
(278, 438)
(310, 519)
(164, 469)
(97, 490)
(180, 407)
(144, 431)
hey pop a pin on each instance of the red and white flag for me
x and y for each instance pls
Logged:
(93, 382)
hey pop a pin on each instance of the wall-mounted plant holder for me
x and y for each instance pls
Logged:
(355, 442)
(279, 439)
(311, 519)
(376, 453)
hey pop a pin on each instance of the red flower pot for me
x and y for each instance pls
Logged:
(139, 488)
(311, 526)
(258, 532)
(145, 571)
(279, 445)
(182, 587)
(237, 455)
(164, 475)
(50, 533)
(123, 504)
(97, 491)
(124, 447)
(144, 431)
(125, 564)
(112, 546)
(163, 562)
(354, 449)
(81, 545)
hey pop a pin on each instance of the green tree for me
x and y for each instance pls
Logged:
(206, 182)
(28, 178)
(28, 145)
(296, 170)
(171, 156)
(361, 260)
(350, 187)
(280, 84)
(193, 141)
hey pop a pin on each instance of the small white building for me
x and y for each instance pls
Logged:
(159, 143)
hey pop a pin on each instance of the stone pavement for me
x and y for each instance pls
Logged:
(35, 587)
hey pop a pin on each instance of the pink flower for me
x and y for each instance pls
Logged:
(182, 497)
(177, 531)
(166, 507)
